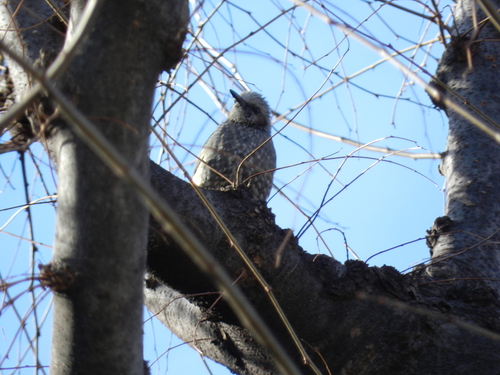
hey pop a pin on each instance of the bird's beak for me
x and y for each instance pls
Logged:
(238, 99)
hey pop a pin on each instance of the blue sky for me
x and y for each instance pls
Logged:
(388, 201)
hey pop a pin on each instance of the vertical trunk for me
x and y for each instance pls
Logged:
(471, 163)
(101, 225)
(99, 251)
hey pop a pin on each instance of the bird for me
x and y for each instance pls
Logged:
(242, 145)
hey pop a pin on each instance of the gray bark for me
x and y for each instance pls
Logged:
(43, 36)
(99, 256)
(40, 43)
(470, 240)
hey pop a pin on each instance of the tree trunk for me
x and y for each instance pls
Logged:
(471, 171)
(99, 258)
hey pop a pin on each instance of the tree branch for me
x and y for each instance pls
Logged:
(318, 294)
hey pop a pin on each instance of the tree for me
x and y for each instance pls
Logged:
(442, 317)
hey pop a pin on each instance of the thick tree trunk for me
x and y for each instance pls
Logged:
(98, 264)
(101, 224)
(470, 242)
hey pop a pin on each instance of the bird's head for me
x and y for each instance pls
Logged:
(250, 109)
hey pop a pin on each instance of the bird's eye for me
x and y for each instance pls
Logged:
(256, 110)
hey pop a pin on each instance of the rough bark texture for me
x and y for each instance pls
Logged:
(320, 296)
(43, 36)
(44, 39)
(99, 256)
(470, 165)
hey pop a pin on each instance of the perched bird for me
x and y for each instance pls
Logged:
(246, 131)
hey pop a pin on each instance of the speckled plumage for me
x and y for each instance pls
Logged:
(246, 128)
